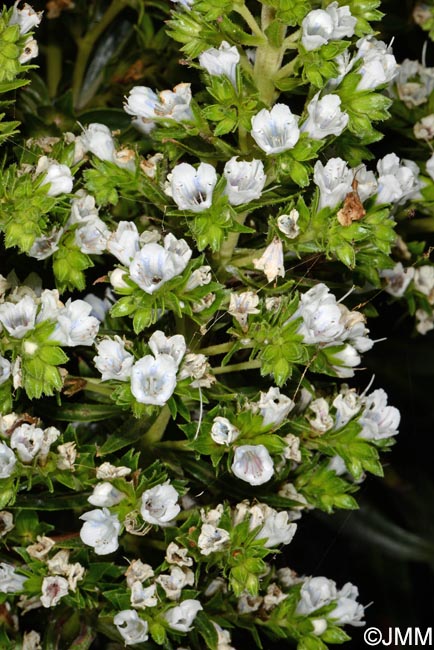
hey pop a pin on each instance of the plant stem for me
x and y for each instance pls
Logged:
(237, 367)
(53, 58)
(95, 386)
(250, 20)
(268, 60)
(157, 428)
(287, 69)
(86, 43)
(228, 247)
(221, 348)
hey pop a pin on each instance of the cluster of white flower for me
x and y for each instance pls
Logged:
(30, 442)
(398, 181)
(147, 108)
(318, 592)
(274, 527)
(328, 323)
(26, 19)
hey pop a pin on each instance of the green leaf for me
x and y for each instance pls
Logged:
(206, 629)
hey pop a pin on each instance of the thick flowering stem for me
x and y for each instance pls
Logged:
(268, 60)
(86, 43)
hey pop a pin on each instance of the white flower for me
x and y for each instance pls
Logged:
(221, 61)
(424, 129)
(177, 555)
(321, 316)
(287, 224)
(334, 182)
(116, 278)
(223, 638)
(273, 597)
(174, 582)
(7, 461)
(223, 432)
(379, 66)
(253, 464)
(379, 421)
(344, 361)
(160, 505)
(17, 375)
(347, 405)
(322, 421)
(124, 242)
(58, 176)
(212, 539)
(18, 318)
(397, 279)
(26, 18)
(27, 440)
(131, 627)
(154, 264)
(10, 582)
(31, 640)
(46, 245)
(276, 527)
(5, 370)
(113, 361)
(196, 367)
(243, 304)
(91, 237)
(67, 454)
(41, 548)
(325, 117)
(106, 471)
(143, 597)
(100, 530)
(53, 589)
(348, 611)
(274, 407)
(316, 593)
(213, 515)
(271, 260)
(320, 26)
(154, 380)
(105, 495)
(97, 139)
(317, 29)
(398, 180)
(173, 346)
(292, 450)
(248, 603)
(425, 322)
(6, 522)
(181, 617)
(244, 180)
(147, 107)
(83, 208)
(424, 281)
(191, 188)
(199, 278)
(74, 325)
(51, 434)
(30, 50)
(367, 184)
(276, 130)
(138, 571)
